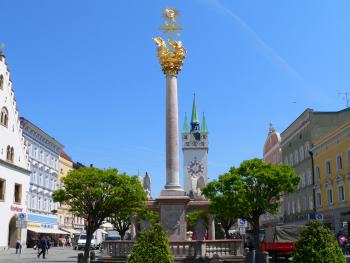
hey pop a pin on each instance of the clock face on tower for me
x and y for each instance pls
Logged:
(195, 168)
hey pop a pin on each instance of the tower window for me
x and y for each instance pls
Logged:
(4, 117)
(2, 189)
(10, 152)
(1, 82)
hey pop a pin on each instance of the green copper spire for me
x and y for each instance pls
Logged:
(194, 118)
(186, 128)
(204, 127)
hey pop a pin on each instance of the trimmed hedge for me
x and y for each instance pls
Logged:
(152, 246)
(317, 244)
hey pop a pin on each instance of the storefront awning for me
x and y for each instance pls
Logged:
(71, 230)
(44, 230)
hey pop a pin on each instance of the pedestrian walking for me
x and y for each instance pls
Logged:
(18, 246)
(48, 245)
(43, 246)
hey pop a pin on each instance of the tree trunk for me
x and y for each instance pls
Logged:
(89, 233)
(256, 231)
(122, 234)
(227, 234)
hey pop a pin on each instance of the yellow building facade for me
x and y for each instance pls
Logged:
(65, 219)
(332, 177)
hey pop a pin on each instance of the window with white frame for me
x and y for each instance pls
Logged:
(301, 153)
(311, 202)
(303, 179)
(291, 159)
(39, 203)
(328, 167)
(318, 172)
(318, 199)
(298, 206)
(341, 193)
(307, 149)
(308, 177)
(348, 155)
(293, 207)
(34, 202)
(329, 196)
(339, 162)
(296, 157)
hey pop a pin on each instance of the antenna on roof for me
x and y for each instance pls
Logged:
(346, 97)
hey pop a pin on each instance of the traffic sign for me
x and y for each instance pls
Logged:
(21, 223)
(21, 216)
(242, 222)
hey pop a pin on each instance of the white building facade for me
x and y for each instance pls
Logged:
(14, 169)
(43, 153)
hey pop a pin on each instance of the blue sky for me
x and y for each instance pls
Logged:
(87, 73)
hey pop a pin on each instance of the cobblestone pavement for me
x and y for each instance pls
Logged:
(29, 255)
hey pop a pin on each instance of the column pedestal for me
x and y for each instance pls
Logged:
(172, 214)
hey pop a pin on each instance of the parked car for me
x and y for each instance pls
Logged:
(96, 241)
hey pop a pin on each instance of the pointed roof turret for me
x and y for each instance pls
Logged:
(194, 118)
(185, 128)
(204, 127)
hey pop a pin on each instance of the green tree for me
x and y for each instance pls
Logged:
(121, 217)
(317, 244)
(95, 194)
(251, 190)
(226, 212)
(152, 246)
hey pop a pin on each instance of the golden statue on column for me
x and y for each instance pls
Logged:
(171, 59)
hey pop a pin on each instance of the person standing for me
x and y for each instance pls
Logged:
(43, 245)
(18, 246)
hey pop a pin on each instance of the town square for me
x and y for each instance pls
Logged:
(174, 131)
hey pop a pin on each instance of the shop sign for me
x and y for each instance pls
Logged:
(46, 225)
(16, 208)
(33, 224)
(316, 216)
(328, 216)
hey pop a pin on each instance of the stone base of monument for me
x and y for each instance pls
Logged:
(172, 214)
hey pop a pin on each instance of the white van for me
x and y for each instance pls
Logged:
(96, 241)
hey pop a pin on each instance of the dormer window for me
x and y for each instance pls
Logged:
(4, 118)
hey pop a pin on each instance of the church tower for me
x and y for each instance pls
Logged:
(195, 153)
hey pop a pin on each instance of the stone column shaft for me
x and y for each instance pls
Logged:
(172, 185)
